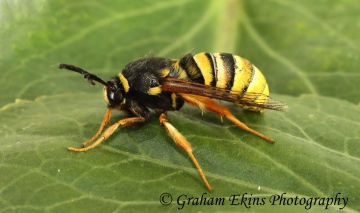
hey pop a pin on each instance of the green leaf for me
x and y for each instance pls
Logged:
(136, 165)
(306, 49)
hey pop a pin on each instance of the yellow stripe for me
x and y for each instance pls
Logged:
(124, 82)
(254, 85)
(258, 83)
(164, 72)
(242, 74)
(191, 66)
(105, 95)
(258, 90)
(204, 65)
(266, 90)
(178, 72)
(154, 91)
(221, 74)
(173, 98)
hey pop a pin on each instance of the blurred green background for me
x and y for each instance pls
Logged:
(308, 51)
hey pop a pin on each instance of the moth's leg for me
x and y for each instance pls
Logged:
(103, 124)
(183, 143)
(205, 103)
(109, 131)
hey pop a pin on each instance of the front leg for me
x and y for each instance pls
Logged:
(103, 124)
(109, 131)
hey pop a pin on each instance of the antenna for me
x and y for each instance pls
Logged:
(90, 78)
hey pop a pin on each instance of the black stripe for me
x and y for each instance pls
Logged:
(229, 63)
(213, 67)
(251, 78)
(187, 62)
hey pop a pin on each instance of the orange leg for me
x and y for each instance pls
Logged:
(209, 104)
(103, 124)
(184, 144)
(109, 131)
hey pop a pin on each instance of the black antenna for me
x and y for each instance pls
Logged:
(90, 78)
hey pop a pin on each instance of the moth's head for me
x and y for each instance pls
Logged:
(114, 93)
(113, 89)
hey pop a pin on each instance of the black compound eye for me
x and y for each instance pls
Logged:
(115, 97)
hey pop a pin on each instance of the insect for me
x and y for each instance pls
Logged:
(165, 85)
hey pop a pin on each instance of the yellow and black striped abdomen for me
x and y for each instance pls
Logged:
(227, 71)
